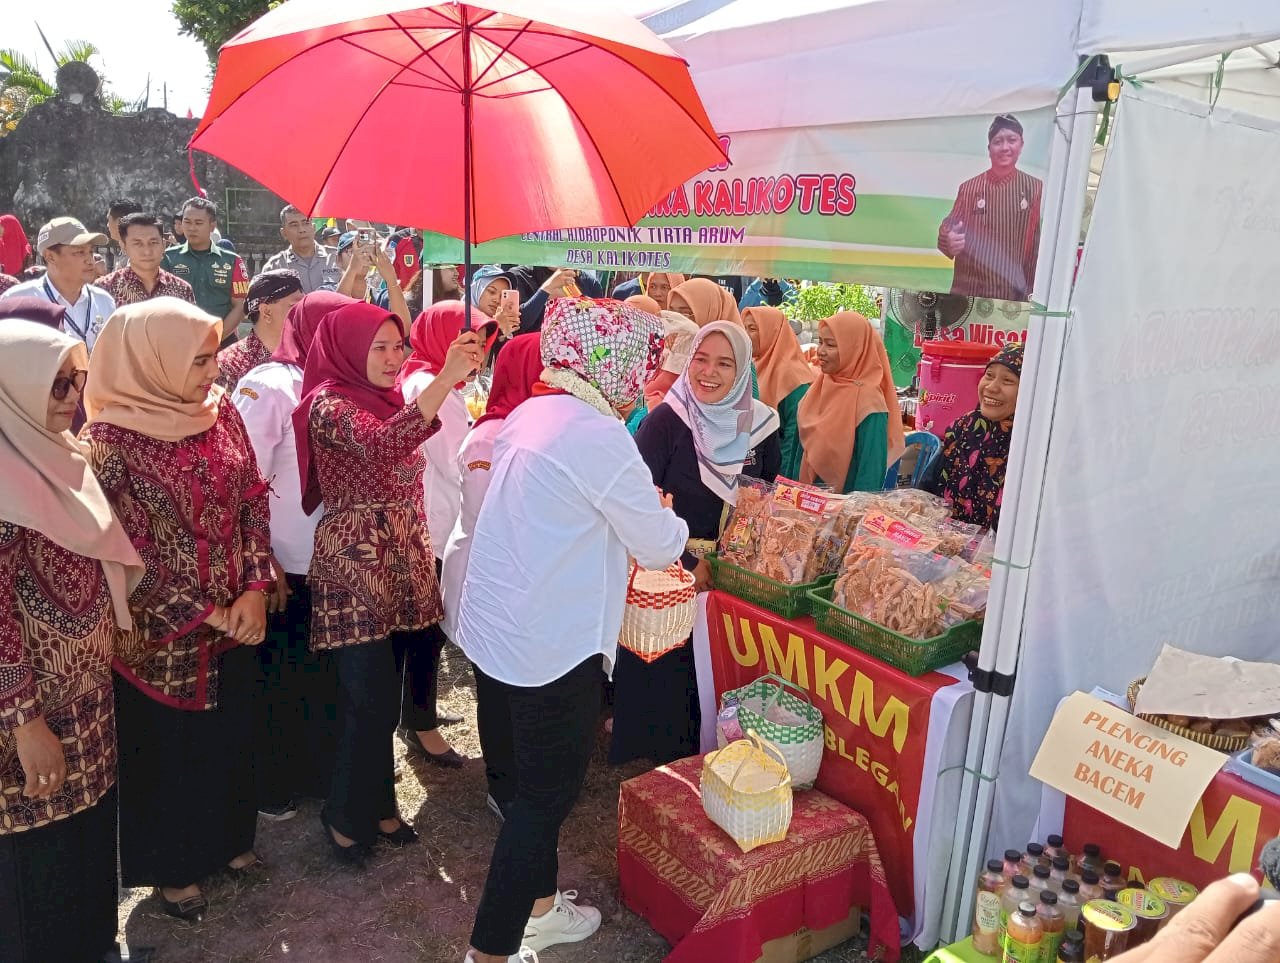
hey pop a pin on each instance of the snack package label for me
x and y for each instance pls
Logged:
(806, 499)
(892, 529)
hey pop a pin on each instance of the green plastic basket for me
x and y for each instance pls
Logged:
(912, 656)
(786, 600)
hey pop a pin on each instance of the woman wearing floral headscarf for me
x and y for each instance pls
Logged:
(707, 435)
(542, 603)
(975, 450)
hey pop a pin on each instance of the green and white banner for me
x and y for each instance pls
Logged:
(871, 203)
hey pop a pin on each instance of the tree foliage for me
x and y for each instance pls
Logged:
(22, 85)
(214, 22)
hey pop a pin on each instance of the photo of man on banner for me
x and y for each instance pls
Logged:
(993, 231)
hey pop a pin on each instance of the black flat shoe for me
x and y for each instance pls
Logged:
(190, 910)
(249, 871)
(445, 760)
(355, 855)
(406, 835)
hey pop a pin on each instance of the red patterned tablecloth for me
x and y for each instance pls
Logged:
(711, 901)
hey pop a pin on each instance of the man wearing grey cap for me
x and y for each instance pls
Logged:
(67, 249)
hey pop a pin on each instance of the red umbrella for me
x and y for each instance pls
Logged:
(546, 113)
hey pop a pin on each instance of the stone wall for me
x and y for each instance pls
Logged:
(68, 158)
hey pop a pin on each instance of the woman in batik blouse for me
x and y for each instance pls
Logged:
(172, 455)
(374, 593)
(65, 571)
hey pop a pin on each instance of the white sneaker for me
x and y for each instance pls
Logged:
(523, 955)
(564, 923)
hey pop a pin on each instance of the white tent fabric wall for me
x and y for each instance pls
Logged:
(1163, 471)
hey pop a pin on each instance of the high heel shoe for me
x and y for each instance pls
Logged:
(190, 909)
(445, 760)
(355, 855)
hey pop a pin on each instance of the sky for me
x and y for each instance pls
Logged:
(138, 38)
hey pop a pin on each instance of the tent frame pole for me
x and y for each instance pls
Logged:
(1024, 483)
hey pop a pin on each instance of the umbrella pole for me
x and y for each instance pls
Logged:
(466, 163)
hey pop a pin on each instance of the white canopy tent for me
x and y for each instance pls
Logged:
(760, 64)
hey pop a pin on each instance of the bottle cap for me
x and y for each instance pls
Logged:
(1021, 882)
(1093, 850)
(1012, 855)
(1112, 869)
(1090, 877)
(1035, 849)
(1071, 885)
(1042, 872)
(1061, 862)
(1074, 936)
(1049, 897)
(994, 865)
(1055, 842)
(1027, 909)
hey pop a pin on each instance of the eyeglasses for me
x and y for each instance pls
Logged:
(62, 386)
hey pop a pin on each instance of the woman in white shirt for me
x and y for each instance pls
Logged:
(516, 371)
(542, 602)
(433, 331)
(293, 745)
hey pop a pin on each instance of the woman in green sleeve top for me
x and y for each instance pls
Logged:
(784, 376)
(850, 425)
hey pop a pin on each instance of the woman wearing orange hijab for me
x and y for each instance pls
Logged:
(850, 425)
(659, 287)
(784, 376)
(703, 301)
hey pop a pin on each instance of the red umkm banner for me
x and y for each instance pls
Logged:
(1228, 828)
(876, 719)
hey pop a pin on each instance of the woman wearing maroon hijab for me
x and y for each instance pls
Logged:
(15, 249)
(292, 744)
(433, 331)
(373, 580)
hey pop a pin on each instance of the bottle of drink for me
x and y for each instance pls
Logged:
(1054, 848)
(1059, 870)
(1090, 858)
(1023, 936)
(1031, 859)
(1017, 892)
(1054, 924)
(1112, 880)
(1071, 950)
(1070, 902)
(1012, 858)
(986, 909)
(1090, 887)
(1039, 881)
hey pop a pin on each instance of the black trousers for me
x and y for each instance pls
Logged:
(421, 676)
(369, 690)
(419, 652)
(58, 889)
(295, 711)
(544, 735)
(187, 805)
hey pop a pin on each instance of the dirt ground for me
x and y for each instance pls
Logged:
(413, 905)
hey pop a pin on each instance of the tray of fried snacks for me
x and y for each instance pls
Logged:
(913, 656)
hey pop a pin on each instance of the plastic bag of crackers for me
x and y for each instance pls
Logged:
(913, 579)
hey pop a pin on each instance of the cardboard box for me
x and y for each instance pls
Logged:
(805, 944)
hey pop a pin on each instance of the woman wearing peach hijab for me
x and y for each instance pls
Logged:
(703, 301)
(784, 375)
(850, 425)
(645, 303)
(659, 286)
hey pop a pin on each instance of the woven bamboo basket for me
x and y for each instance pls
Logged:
(746, 791)
(1227, 744)
(660, 611)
